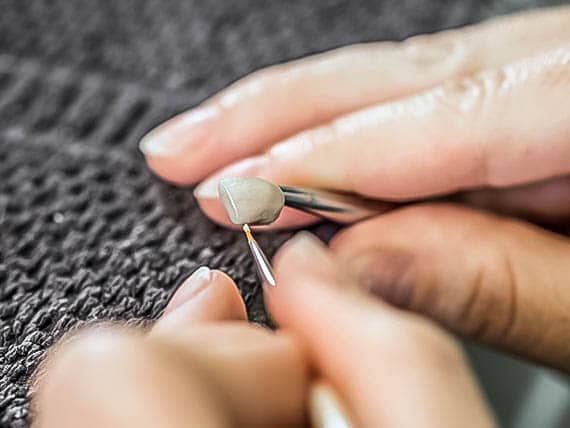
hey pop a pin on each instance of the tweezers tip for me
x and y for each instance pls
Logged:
(247, 231)
(263, 266)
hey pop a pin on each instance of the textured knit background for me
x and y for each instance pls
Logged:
(86, 232)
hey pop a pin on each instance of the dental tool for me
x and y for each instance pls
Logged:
(263, 266)
(254, 201)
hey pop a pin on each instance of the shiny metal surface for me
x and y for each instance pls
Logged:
(335, 206)
(264, 270)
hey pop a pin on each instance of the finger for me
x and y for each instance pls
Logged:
(213, 377)
(282, 100)
(546, 201)
(499, 281)
(392, 368)
(445, 140)
(117, 379)
(207, 295)
(263, 375)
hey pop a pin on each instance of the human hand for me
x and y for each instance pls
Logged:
(482, 106)
(497, 280)
(392, 368)
(201, 366)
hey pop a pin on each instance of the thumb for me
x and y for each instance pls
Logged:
(499, 281)
(392, 368)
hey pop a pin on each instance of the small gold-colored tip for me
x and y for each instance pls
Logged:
(262, 264)
(247, 232)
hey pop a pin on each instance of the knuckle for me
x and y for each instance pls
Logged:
(470, 97)
(254, 84)
(510, 303)
(472, 101)
(446, 49)
(549, 71)
(390, 275)
(555, 67)
(314, 141)
(485, 306)
(329, 136)
(422, 42)
(490, 311)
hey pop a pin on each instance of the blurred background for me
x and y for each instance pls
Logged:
(87, 233)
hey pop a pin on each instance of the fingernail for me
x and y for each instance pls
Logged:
(208, 189)
(309, 252)
(387, 274)
(192, 286)
(178, 133)
(305, 244)
(326, 409)
(250, 167)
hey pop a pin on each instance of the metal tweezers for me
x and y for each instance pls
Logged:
(338, 207)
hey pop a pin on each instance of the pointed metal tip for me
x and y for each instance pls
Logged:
(264, 269)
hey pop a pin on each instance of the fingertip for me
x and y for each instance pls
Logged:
(306, 272)
(235, 308)
(206, 296)
(183, 150)
(187, 166)
(175, 171)
(304, 253)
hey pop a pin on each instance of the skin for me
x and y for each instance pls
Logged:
(479, 115)
(194, 366)
(211, 368)
(427, 127)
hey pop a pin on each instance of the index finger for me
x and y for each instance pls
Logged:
(277, 102)
(500, 128)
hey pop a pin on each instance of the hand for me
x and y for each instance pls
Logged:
(392, 368)
(201, 366)
(496, 280)
(483, 106)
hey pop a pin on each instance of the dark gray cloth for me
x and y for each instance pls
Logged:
(86, 232)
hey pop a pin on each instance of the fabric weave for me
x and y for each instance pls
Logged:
(86, 232)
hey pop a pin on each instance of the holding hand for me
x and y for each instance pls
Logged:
(481, 113)
(481, 110)
(483, 106)
(202, 366)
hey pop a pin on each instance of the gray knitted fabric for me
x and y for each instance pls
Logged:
(86, 232)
